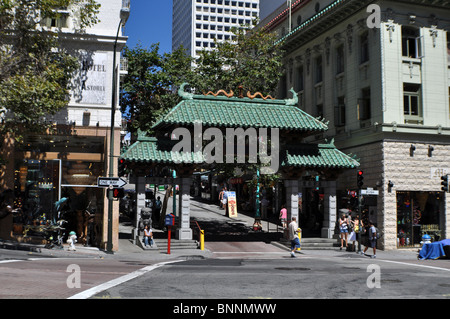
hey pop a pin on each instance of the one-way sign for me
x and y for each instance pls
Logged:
(111, 182)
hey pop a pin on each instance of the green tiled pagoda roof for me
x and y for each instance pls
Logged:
(221, 111)
(322, 155)
(150, 150)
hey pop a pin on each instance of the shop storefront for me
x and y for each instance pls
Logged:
(419, 213)
(55, 177)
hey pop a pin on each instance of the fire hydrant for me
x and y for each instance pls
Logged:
(426, 239)
(72, 240)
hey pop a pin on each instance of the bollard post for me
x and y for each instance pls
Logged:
(202, 240)
(300, 239)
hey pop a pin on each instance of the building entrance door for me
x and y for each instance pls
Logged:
(311, 212)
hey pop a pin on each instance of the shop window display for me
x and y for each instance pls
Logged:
(46, 192)
(418, 213)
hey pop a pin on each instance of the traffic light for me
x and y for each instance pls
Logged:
(118, 193)
(360, 179)
(121, 167)
(444, 183)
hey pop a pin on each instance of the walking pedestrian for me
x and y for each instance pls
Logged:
(343, 229)
(157, 209)
(372, 240)
(221, 198)
(357, 231)
(148, 234)
(225, 199)
(293, 236)
(283, 216)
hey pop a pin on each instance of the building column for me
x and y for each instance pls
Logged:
(291, 199)
(184, 232)
(140, 204)
(329, 218)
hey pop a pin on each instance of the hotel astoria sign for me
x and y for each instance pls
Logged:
(93, 79)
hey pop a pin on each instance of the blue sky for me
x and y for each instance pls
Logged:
(150, 22)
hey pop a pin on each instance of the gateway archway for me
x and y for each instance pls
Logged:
(205, 123)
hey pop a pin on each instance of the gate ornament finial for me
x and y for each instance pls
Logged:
(294, 99)
(182, 93)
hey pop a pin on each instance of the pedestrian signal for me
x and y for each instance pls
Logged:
(118, 193)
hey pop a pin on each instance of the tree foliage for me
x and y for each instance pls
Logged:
(35, 70)
(251, 61)
(150, 88)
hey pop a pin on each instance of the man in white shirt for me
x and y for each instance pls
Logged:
(293, 236)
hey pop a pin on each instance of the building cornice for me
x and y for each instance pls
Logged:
(324, 20)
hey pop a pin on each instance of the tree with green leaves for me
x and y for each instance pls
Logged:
(149, 88)
(252, 61)
(35, 70)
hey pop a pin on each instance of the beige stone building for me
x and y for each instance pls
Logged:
(67, 163)
(379, 72)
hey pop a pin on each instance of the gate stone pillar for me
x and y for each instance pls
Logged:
(184, 232)
(329, 218)
(291, 199)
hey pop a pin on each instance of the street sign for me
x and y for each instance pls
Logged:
(111, 182)
(369, 191)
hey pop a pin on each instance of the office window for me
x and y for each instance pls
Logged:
(412, 106)
(319, 110)
(364, 47)
(340, 59)
(318, 69)
(60, 22)
(364, 105)
(411, 42)
(299, 81)
(339, 112)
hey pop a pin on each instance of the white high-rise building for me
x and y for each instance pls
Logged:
(196, 23)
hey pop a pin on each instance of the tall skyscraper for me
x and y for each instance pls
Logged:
(196, 23)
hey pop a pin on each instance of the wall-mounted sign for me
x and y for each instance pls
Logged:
(92, 88)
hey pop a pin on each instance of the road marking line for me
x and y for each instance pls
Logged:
(10, 261)
(115, 282)
(424, 266)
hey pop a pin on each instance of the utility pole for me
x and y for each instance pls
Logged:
(124, 14)
(360, 183)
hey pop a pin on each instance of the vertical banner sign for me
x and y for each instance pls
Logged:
(93, 79)
(232, 204)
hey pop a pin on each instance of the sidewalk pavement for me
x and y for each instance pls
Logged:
(203, 213)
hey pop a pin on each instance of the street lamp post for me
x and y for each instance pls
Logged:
(124, 14)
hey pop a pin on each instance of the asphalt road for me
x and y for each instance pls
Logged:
(301, 278)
